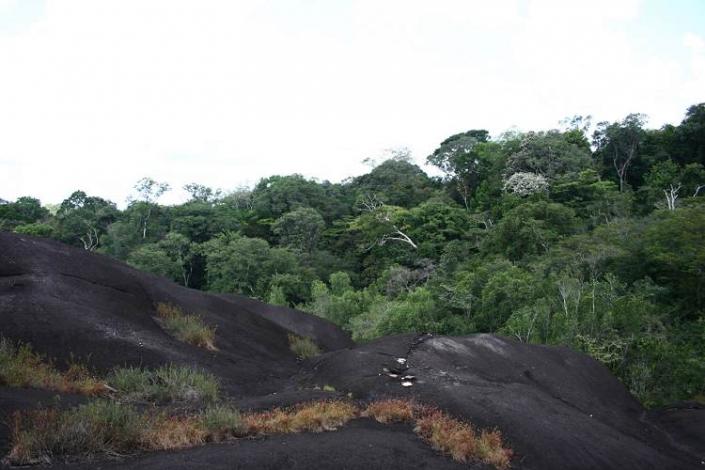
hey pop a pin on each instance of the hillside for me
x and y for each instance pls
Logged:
(555, 408)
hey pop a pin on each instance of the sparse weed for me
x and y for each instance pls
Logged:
(304, 348)
(187, 328)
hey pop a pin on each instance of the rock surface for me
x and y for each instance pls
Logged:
(558, 409)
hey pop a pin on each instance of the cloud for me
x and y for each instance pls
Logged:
(96, 95)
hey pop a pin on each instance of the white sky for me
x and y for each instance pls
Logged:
(95, 94)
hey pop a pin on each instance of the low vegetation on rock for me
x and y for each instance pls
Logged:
(22, 367)
(188, 328)
(110, 428)
(444, 433)
(170, 383)
(113, 427)
(303, 347)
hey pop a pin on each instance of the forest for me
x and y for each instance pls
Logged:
(587, 236)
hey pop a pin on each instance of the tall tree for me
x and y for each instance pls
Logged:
(148, 192)
(458, 158)
(618, 144)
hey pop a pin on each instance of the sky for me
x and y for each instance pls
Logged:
(96, 94)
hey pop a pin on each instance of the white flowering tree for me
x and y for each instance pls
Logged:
(524, 183)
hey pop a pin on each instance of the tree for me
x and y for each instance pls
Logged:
(458, 158)
(548, 154)
(245, 265)
(396, 182)
(85, 218)
(277, 195)
(526, 184)
(668, 178)
(201, 193)
(382, 223)
(153, 258)
(690, 135)
(148, 192)
(25, 210)
(300, 229)
(619, 144)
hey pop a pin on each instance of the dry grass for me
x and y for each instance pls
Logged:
(110, 428)
(459, 440)
(106, 427)
(165, 432)
(21, 367)
(308, 417)
(187, 328)
(393, 410)
(101, 427)
(303, 347)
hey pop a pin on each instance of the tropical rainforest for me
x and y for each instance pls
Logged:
(587, 236)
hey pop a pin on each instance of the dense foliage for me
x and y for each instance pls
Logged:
(595, 241)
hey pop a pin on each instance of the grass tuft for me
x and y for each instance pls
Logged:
(170, 383)
(460, 441)
(391, 411)
(22, 367)
(304, 348)
(308, 417)
(222, 422)
(164, 432)
(187, 328)
(110, 428)
(100, 427)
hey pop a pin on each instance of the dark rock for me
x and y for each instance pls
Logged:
(557, 409)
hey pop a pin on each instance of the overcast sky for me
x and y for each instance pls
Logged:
(96, 94)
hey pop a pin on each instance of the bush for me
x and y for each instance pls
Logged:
(304, 348)
(187, 328)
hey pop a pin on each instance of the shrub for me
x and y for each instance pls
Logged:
(21, 367)
(187, 328)
(170, 383)
(304, 348)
